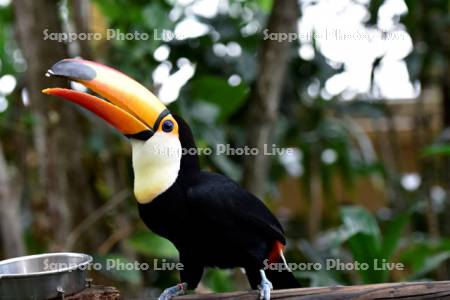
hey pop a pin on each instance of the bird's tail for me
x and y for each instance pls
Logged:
(282, 277)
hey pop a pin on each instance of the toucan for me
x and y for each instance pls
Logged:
(211, 220)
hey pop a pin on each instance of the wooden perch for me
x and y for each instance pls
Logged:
(96, 292)
(412, 290)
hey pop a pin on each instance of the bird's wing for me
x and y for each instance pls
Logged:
(222, 199)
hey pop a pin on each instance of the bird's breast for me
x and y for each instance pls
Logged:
(156, 164)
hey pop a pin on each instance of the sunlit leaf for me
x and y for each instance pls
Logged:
(359, 220)
(217, 91)
(150, 244)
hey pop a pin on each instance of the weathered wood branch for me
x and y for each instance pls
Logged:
(96, 293)
(411, 290)
(407, 290)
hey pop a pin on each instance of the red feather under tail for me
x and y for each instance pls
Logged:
(275, 253)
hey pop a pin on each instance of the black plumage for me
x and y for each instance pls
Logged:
(213, 222)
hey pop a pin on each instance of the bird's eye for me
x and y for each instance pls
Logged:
(167, 126)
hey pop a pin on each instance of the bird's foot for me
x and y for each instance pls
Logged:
(265, 287)
(177, 290)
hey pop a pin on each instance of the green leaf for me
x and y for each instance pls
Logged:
(219, 280)
(150, 244)
(204, 111)
(358, 220)
(266, 5)
(334, 238)
(425, 256)
(323, 276)
(393, 234)
(364, 250)
(155, 16)
(429, 264)
(119, 268)
(364, 242)
(217, 91)
(434, 150)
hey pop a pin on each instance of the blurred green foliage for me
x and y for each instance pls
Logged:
(216, 112)
(362, 238)
(152, 245)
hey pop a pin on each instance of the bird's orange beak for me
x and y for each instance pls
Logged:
(131, 108)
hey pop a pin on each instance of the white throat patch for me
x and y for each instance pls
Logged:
(156, 163)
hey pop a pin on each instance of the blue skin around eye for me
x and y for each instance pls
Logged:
(167, 126)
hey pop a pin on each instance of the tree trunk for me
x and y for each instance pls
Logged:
(316, 197)
(10, 219)
(81, 19)
(55, 136)
(265, 97)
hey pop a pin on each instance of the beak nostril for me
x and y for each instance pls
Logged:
(49, 73)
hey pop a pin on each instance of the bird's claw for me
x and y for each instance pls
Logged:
(177, 290)
(264, 289)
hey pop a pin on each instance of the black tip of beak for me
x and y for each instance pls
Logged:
(73, 69)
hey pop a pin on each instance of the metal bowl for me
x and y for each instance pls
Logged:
(43, 276)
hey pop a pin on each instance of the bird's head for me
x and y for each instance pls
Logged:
(134, 111)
